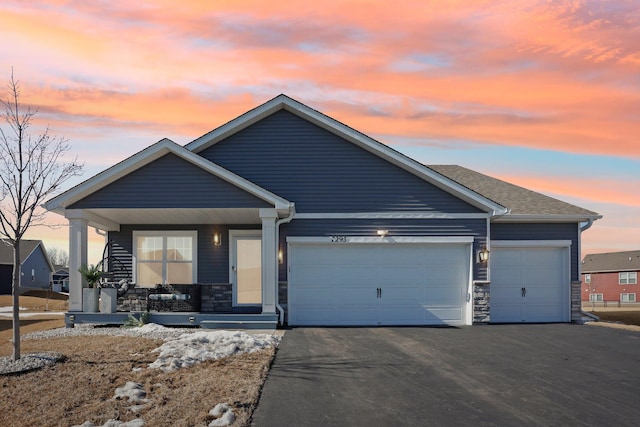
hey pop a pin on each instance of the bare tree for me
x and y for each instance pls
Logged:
(58, 256)
(31, 170)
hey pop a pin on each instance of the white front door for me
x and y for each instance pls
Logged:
(246, 267)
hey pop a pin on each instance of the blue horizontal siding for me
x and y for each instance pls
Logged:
(476, 228)
(170, 182)
(322, 172)
(562, 231)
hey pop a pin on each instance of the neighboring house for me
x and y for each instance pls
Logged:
(611, 277)
(286, 211)
(61, 278)
(36, 267)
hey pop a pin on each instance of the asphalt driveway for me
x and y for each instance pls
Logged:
(498, 375)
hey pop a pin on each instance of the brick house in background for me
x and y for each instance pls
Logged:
(611, 277)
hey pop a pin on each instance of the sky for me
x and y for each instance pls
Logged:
(543, 94)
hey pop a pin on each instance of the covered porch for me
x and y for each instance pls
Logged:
(183, 227)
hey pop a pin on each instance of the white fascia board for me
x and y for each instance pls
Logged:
(143, 158)
(346, 240)
(530, 243)
(352, 135)
(389, 215)
(546, 218)
(94, 220)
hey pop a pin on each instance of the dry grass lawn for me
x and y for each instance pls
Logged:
(82, 387)
(626, 317)
(38, 301)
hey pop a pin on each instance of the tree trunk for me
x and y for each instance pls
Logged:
(16, 301)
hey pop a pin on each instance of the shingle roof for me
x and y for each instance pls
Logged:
(26, 247)
(612, 261)
(519, 200)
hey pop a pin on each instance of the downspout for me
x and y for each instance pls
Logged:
(285, 220)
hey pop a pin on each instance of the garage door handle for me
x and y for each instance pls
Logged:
(524, 292)
(378, 292)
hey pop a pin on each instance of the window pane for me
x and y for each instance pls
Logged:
(179, 273)
(179, 248)
(149, 273)
(633, 278)
(149, 248)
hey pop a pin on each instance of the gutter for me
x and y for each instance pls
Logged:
(587, 225)
(285, 220)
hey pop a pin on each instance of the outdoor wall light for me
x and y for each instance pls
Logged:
(383, 233)
(483, 254)
(217, 239)
(280, 256)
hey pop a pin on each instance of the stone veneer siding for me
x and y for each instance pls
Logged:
(576, 303)
(481, 303)
(216, 298)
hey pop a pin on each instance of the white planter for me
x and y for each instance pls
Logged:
(108, 300)
(90, 297)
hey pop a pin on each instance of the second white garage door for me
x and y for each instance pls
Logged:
(378, 284)
(530, 282)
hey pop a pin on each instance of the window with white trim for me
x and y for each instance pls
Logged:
(587, 278)
(628, 278)
(627, 297)
(596, 298)
(165, 257)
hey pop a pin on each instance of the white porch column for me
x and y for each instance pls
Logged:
(269, 260)
(77, 257)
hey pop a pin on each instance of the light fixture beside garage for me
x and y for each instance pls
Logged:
(280, 256)
(483, 254)
(383, 233)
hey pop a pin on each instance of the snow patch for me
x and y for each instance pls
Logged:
(113, 423)
(197, 347)
(133, 391)
(10, 309)
(224, 415)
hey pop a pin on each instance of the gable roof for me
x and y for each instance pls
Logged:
(283, 102)
(27, 247)
(611, 262)
(148, 155)
(521, 202)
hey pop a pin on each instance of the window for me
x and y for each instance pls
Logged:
(587, 278)
(596, 298)
(162, 257)
(628, 278)
(627, 297)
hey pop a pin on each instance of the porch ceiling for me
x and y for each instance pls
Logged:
(179, 216)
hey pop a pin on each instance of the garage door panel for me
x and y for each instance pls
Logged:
(543, 274)
(420, 284)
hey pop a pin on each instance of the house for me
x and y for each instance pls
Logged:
(285, 214)
(611, 277)
(36, 268)
(60, 278)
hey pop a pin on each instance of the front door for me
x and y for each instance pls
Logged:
(246, 267)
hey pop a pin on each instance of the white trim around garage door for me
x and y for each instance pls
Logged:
(371, 239)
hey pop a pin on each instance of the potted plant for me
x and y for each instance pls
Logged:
(91, 294)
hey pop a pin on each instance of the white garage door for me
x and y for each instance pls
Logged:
(530, 284)
(378, 284)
